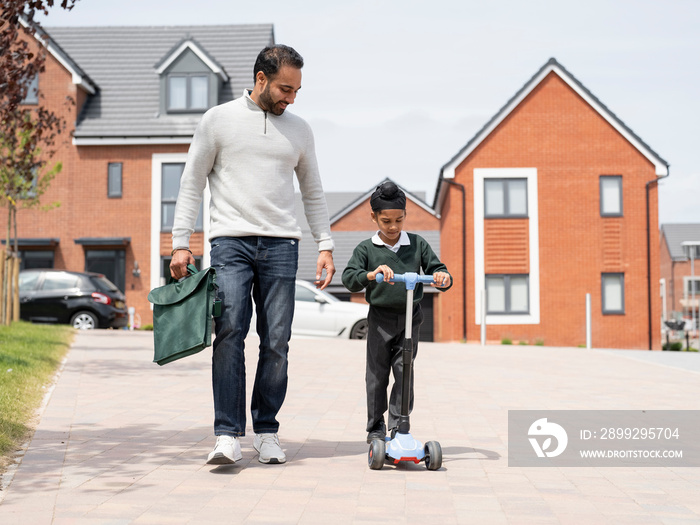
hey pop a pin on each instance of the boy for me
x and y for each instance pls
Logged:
(390, 250)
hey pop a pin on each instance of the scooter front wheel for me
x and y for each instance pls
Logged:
(433, 455)
(376, 454)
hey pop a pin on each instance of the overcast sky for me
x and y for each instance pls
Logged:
(395, 88)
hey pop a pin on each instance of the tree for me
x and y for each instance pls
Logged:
(27, 133)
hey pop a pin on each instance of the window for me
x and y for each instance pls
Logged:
(613, 285)
(110, 263)
(36, 259)
(507, 294)
(188, 92)
(692, 283)
(505, 197)
(60, 281)
(30, 192)
(610, 196)
(114, 180)
(32, 96)
(170, 189)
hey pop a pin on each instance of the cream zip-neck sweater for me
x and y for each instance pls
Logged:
(249, 157)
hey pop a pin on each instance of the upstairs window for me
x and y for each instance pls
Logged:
(32, 96)
(610, 196)
(188, 92)
(505, 198)
(114, 180)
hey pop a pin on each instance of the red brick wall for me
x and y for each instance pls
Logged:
(571, 145)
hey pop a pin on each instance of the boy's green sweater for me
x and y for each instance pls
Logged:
(367, 256)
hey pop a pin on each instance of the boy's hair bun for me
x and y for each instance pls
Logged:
(388, 196)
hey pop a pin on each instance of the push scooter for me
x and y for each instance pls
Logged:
(402, 446)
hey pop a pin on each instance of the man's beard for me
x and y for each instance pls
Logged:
(268, 104)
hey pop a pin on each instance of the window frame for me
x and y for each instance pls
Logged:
(110, 194)
(506, 182)
(508, 293)
(603, 213)
(621, 277)
(188, 93)
(199, 221)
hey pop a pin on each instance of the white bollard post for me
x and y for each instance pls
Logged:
(588, 321)
(131, 311)
(483, 318)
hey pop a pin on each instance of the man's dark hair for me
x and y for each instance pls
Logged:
(272, 58)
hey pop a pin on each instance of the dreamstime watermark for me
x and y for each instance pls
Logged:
(610, 438)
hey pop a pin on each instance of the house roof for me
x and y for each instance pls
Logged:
(362, 197)
(124, 62)
(78, 76)
(192, 45)
(675, 234)
(552, 66)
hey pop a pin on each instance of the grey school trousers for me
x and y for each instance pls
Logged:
(384, 344)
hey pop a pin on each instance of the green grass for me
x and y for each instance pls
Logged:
(29, 357)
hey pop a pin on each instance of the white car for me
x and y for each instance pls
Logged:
(319, 314)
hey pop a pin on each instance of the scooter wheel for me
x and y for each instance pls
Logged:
(433, 455)
(376, 454)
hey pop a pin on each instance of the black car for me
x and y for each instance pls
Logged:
(83, 300)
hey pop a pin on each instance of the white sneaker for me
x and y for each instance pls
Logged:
(268, 446)
(226, 451)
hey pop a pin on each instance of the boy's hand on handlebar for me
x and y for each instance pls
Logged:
(442, 280)
(383, 269)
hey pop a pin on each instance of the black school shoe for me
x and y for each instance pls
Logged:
(378, 432)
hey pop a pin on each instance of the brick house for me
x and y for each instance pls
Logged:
(139, 93)
(680, 274)
(554, 198)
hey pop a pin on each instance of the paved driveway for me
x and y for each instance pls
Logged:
(122, 440)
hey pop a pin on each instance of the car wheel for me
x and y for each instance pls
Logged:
(84, 321)
(359, 330)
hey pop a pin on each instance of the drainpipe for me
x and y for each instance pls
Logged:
(648, 185)
(464, 255)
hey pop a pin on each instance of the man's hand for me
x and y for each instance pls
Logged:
(325, 261)
(179, 262)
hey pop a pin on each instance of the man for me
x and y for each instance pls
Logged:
(249, 150)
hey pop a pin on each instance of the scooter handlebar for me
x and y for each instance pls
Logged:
(410, 278)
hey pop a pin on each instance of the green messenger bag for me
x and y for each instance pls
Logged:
(182, 315)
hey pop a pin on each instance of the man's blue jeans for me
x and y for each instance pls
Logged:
(264, 269)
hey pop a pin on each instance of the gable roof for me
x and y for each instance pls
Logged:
(121, 60)
(675, 234)
(364, 196)
(78, 76)
(552, 66)
(192, 45)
